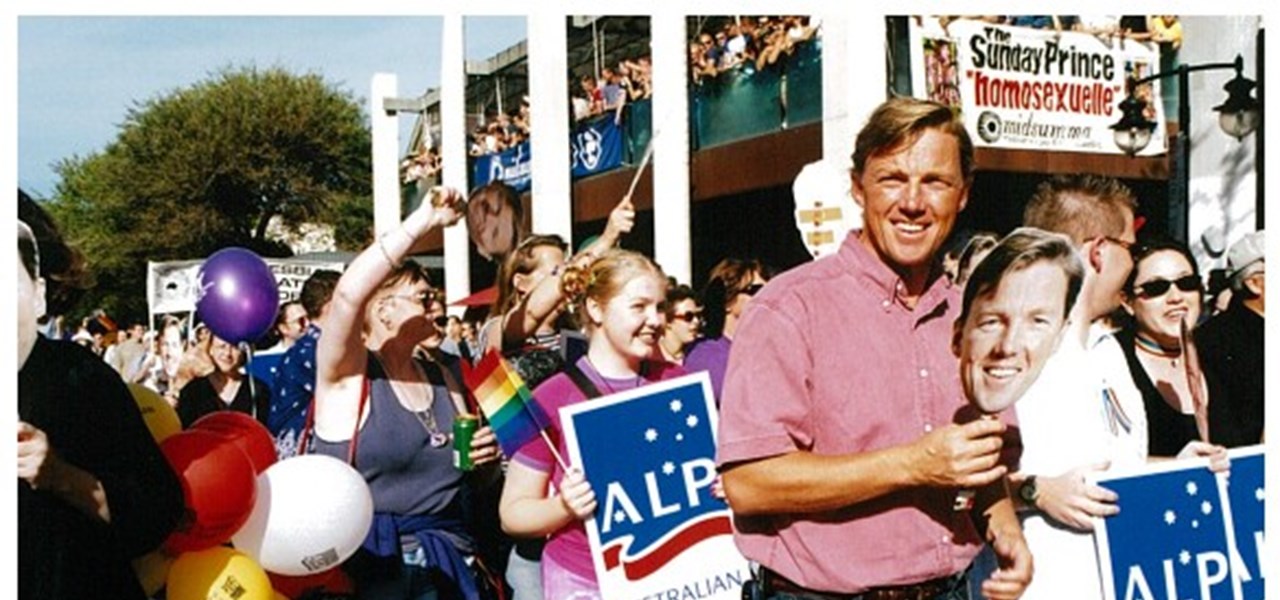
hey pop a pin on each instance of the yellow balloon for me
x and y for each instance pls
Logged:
(152, 570)
(218, 573)
(161, 419)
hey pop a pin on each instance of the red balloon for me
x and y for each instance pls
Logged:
(333, 581)
(243, 431)
(218, 488)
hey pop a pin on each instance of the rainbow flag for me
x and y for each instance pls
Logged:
(506, 402)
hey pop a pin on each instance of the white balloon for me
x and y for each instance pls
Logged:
(311, 513)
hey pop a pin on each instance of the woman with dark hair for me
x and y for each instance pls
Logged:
(683, 322)
(227, 387)
(731, 285)
(93, 489)
(1163, 297)
(376, 398)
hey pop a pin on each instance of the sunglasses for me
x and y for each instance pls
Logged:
(752, 289)
(1159, 287)
(441, 321)
(688, 316)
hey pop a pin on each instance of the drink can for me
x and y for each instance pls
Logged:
(464, 428)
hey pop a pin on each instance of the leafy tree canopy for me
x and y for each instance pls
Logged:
(209, 166)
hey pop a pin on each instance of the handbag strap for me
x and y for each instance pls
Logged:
(308, 430)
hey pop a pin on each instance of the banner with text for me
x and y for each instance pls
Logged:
(511, 166)
(658, 531)
(1185, 532)
(1034, 89)
(173, 286)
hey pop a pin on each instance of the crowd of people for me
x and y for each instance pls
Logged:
(751, 43)
(857, 452)
(1165, 30)
(610, 91)
(503, 130)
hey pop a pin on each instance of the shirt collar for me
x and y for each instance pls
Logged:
(869, 269)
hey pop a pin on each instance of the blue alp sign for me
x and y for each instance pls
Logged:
(649, 454)
(1184, 532)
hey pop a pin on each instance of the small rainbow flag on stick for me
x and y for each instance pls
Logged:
(507, 404)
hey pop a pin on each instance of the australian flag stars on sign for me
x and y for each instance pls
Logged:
(1184, 532)
(649, 455)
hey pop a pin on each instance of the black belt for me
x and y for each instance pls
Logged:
(927, 590)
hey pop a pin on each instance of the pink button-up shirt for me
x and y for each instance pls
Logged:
(827, 360)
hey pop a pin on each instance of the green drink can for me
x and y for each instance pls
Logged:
(464, 428)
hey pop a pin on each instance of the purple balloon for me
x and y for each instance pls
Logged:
(238, 295)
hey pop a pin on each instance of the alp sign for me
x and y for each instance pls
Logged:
(658, 531)
(1185, 533)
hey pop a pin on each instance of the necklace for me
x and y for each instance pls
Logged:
(427, 418)
(1155, 349)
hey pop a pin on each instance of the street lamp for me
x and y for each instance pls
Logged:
(1239, 116)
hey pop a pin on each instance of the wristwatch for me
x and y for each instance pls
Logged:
(1028, 492)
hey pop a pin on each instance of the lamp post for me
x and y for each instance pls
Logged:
(1239, 116)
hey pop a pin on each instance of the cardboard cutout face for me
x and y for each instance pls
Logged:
(1009, 335)
(825, 210)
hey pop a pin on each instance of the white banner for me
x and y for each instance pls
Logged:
(172, 286)
(1034, 89)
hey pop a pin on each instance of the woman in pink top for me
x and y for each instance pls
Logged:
(620, 298)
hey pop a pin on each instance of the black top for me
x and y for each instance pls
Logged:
(91, 422)
(1168, 429)
(1231, 348)
(198, 399)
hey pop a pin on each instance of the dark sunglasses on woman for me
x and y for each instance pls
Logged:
(1159, 287)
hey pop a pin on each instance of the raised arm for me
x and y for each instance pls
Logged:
(543, 300)
(340, 353)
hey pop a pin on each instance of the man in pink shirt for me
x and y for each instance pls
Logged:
(844, 433)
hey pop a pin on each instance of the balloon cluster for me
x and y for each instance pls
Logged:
(291, 522)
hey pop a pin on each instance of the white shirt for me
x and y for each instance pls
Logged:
(1066, 423)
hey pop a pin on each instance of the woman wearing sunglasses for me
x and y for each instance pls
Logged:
(684, 322)
(732, 283)
(1163, 296)
(376, 400)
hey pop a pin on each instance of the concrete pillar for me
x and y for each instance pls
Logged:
(453, 148)
(386, 154)
(855, 79)
(552, 205)
(670, 162)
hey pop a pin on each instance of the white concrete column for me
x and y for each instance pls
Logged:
(854, 79)
(386, 154)
(552, 204)
(453, 148)
(670, 163)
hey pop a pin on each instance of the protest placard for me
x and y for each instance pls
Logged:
(658, 532)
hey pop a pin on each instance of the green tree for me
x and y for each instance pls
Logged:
(207, 167)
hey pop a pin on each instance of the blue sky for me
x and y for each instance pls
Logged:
(77, 76)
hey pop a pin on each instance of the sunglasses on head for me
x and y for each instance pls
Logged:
(1159, 287)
